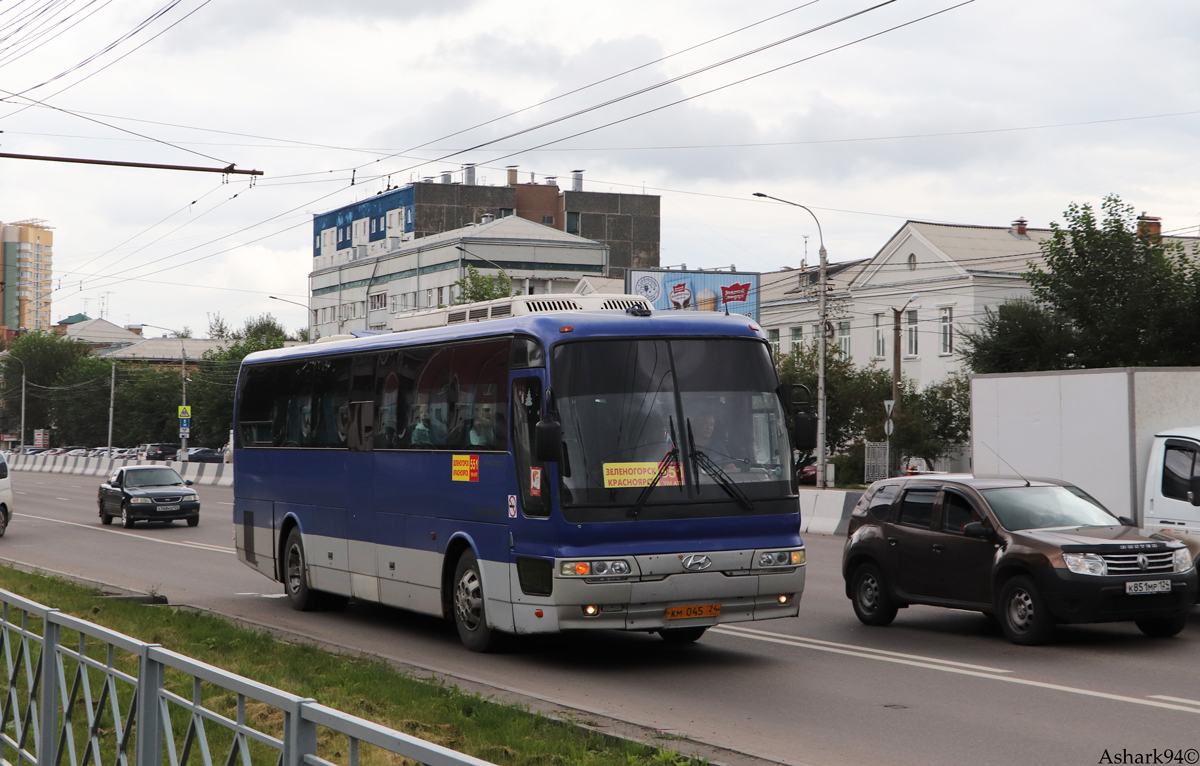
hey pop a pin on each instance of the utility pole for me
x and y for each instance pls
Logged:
(183, 374)
(896, 314)
(112, 398)
(21, 441)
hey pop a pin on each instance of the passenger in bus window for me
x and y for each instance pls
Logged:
(483, 433)
(710, 439)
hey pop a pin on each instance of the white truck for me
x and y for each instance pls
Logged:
(1129, 437)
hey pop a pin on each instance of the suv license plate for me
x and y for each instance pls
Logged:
(176, 508)
(691, 612)
(1148, 586)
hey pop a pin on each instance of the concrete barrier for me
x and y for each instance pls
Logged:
(825, 511)
(211, 474)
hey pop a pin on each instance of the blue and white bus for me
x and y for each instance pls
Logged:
(561, 471)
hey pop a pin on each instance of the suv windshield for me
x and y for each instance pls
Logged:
(625, 405)
(1019, 508)
(152, 477)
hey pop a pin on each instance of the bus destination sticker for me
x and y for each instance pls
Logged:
(618, 475)
(465, 468)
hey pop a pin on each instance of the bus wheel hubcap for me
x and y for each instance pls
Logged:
(295, 568)
(468, 600)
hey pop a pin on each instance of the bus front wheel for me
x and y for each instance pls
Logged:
(470, 616)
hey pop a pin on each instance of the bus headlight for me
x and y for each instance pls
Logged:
(793, 558)
(604, 568)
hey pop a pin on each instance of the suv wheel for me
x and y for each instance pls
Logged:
(126, 519)
(1024, 615)
(873, 603)
(1164, 627)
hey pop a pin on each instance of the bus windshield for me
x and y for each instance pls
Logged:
(704, 411)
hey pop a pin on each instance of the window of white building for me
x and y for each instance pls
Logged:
(880, 337)
(797, 338)
(911, 333)
(947, 330)
(843, 338)
(773, 339)
(378, 301)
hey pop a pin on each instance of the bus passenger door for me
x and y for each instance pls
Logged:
(532, 540)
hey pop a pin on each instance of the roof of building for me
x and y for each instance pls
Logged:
(510, 227)
(101, 332)
(164, 349)
(74, 319)
(985, 248)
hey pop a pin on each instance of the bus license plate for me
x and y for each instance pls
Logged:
(1148, 586)
(168, 507)
(694, 611)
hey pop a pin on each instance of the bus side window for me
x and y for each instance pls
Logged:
(254, 415)
(531, 475)
(480, 415)
(293, 404)
(330, 408)
(361, 411)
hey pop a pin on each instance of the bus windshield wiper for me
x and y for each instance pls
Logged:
(712, 469)
(671, 458)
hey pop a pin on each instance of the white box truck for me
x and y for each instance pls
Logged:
(1129, 437)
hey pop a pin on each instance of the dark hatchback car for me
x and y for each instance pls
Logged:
(203, 455)
(1030, 553)
(161, 451)
(148, 493)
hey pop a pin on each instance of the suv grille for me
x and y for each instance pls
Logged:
(1127, 563)
(167, 499)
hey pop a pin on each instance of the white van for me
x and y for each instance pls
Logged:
(6, 496)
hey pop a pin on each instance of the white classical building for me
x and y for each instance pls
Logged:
(942, 277)
(368, 291)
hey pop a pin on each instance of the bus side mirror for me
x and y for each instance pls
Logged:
(548, 441)
(804, 435)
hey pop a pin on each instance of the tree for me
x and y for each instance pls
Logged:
(147, 401)
(80, 398)
(186, 332)
(853, 395)
(45, 356)
(262, 327)
(1019, 336)
(218, 328)
(1109, 295)
(475, 287)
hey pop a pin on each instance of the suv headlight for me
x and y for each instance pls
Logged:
(1085, 563)
(792, 558)
(1183, 560)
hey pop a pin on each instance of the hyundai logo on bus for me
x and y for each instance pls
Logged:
(696, 562)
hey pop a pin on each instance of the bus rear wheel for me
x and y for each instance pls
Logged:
(470, 614)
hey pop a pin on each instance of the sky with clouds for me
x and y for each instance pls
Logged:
(870, 113)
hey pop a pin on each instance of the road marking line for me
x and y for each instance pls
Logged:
(63, 498)
(920, 658)
(22, 493)
(222, 502)
(1195, 710)
(199, 546)
(1174, 699)
(75, 486)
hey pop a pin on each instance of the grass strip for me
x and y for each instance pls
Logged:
(369, 688)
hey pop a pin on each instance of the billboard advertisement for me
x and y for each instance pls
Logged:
(671, 289)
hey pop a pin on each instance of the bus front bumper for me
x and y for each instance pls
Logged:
(677, 601)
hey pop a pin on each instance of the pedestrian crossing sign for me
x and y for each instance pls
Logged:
(185, 411)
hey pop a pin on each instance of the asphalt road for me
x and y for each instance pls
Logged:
(937, 687)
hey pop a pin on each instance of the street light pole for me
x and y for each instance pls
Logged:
(183, 375)
(821, 308)
(312, 320)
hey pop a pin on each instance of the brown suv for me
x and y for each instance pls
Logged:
(1031, 553)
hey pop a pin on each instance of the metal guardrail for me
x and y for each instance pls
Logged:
(78, 694)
